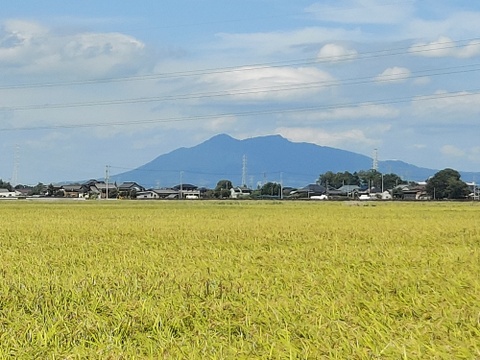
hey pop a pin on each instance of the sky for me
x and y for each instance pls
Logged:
(87, 84)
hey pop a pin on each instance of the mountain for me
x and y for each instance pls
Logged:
(267, 158)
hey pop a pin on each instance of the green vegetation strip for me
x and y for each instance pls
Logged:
(239, 280)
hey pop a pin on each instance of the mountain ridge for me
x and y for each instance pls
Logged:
(268, 158)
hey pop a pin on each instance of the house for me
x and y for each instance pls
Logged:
(189, 190)
(5, 193)
(308, 191)
(349, 190)
(129, 189)
(415, 192)
(239, 192)
(148, 195)
(103, 187)
(474, 191)
(74, 191)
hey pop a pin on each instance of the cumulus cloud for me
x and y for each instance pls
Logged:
(30, 48)
(335, 52)
(362, 111)
(276, 42)
(443, 102)
(452, 151)
(326, 138)
(474, 155)
(446, 47)
(269, 82)
(393, 75)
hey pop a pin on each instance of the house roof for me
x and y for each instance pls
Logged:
(313, 188)
(348, 188)
(102, 185)
(73, 187)
(185, 187)
(127, 185)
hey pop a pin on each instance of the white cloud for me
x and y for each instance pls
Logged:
(278, 42)
(393, 74)
(423, 80)
(452, 21)
(362, 111)
(335, 52)
(446, 47)
(52, 140)
(221, 124)
(269, 82)
(474, 155)
(452, 151)
(459, 104)
(419, 146)
(326, 138)
(29, 48)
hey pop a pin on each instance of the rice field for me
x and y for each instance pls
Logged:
(239, 280)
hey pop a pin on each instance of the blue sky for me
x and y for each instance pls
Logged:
(89, 84)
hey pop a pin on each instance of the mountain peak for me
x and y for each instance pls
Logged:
(268, 158)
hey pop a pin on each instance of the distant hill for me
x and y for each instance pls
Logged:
(268, 158)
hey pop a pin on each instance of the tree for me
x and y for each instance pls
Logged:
(222, 190)
(337, 180)
(446, 184)
(5, 185)
(271, 189)
(51, 190)
(371, 178)
(390, 181)
(38, 189)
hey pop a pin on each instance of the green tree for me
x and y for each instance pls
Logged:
(271, 189)
(38, 189)
(223, 185)
(222, 190)
(339, 179)
(5, 185)
(371, 178)
(390, 181)
(446, 184)
(327, 178)
(51, 190)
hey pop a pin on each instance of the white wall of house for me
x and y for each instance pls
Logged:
(9, 194)
(148, 195)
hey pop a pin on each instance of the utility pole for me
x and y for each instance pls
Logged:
(244, 171)
(107, 177)
(181, 185)
(281, 186)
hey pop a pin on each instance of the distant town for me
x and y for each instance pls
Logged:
(363, 185)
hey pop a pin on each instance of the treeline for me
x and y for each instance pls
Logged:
(445, 184)
(368, 178)
(38, 189)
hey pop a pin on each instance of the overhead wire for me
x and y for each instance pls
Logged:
(414, 49)
(260, 90)
(392, 101)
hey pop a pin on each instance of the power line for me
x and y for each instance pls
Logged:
(253, 91)
(258, 112)
(414, 49)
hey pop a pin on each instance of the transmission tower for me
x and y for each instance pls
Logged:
(375, 160)
(244, 171)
